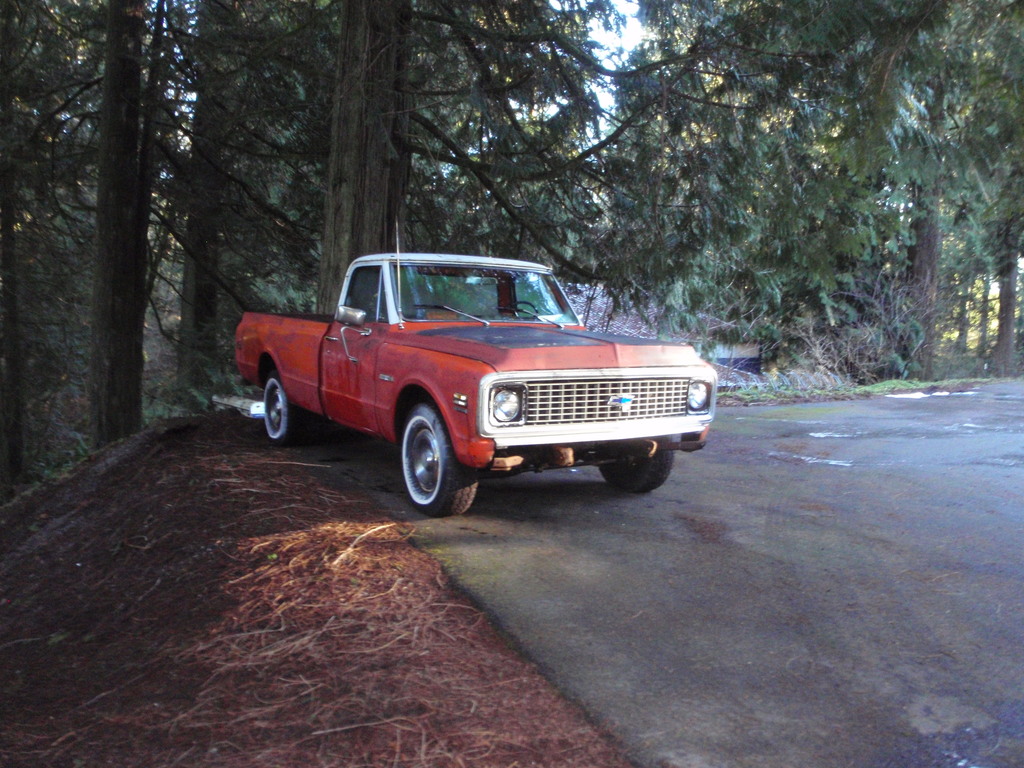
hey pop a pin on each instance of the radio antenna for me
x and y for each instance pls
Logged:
(398, 273)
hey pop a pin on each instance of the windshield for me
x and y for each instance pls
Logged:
(454, 292)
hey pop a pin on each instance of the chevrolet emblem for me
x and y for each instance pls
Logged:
(625, 402)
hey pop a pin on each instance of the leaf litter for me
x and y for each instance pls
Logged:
(188, 597)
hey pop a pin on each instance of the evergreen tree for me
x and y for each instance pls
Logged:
(122, 212)
(369, 166)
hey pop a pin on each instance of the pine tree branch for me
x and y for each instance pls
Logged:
(489, 183)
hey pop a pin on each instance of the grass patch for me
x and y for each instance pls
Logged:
(782, 396)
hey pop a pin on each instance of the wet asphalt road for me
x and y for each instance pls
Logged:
(835, 585)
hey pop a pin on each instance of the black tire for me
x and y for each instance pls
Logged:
(437, 484)
(639, 474)
(280, 417)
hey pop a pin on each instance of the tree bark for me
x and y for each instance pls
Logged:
(368, 168)
(12, 427)
(119, 280)
(983, 321)
(963, 318)
(1004, 362)
(924, 265)
(11, 358)
(200, 295)
(11, 362)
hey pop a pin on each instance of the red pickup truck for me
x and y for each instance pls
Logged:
(478, 367)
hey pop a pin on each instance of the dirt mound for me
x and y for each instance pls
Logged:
(189, 598)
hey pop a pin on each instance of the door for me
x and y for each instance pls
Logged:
(349, 357)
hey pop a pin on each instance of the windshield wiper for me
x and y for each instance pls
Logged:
(535, 316)
(453, 309)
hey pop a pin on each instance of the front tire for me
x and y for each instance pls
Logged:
(437, 484)
(639, 474)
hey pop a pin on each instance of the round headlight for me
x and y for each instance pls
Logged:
(507, 405)
(699, 395)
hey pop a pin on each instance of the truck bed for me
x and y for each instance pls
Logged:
(292, 340)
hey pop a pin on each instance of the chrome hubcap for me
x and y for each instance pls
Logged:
(274, 410)
(424, 460)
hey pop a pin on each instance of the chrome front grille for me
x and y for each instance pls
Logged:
(583, 401)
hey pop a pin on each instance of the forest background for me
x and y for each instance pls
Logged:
(840, 181)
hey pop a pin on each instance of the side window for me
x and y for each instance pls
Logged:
(364, 292)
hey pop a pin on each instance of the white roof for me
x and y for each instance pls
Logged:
(453, 259)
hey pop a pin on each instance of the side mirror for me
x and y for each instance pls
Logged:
(351, 316)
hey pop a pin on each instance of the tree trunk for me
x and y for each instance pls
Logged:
(963, 316)
(368, 169)
(924, 265)
(199, 298)
(983, 319)
(119, 281)
(1004, 362)
(12, 446)
(199, 302)
(11, 358)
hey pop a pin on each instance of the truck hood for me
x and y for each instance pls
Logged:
(532, 347)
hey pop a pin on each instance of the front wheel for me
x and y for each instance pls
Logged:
(639, 474)
(437, 484)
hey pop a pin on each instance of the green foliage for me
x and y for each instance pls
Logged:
(802, 135)
(267, 69)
